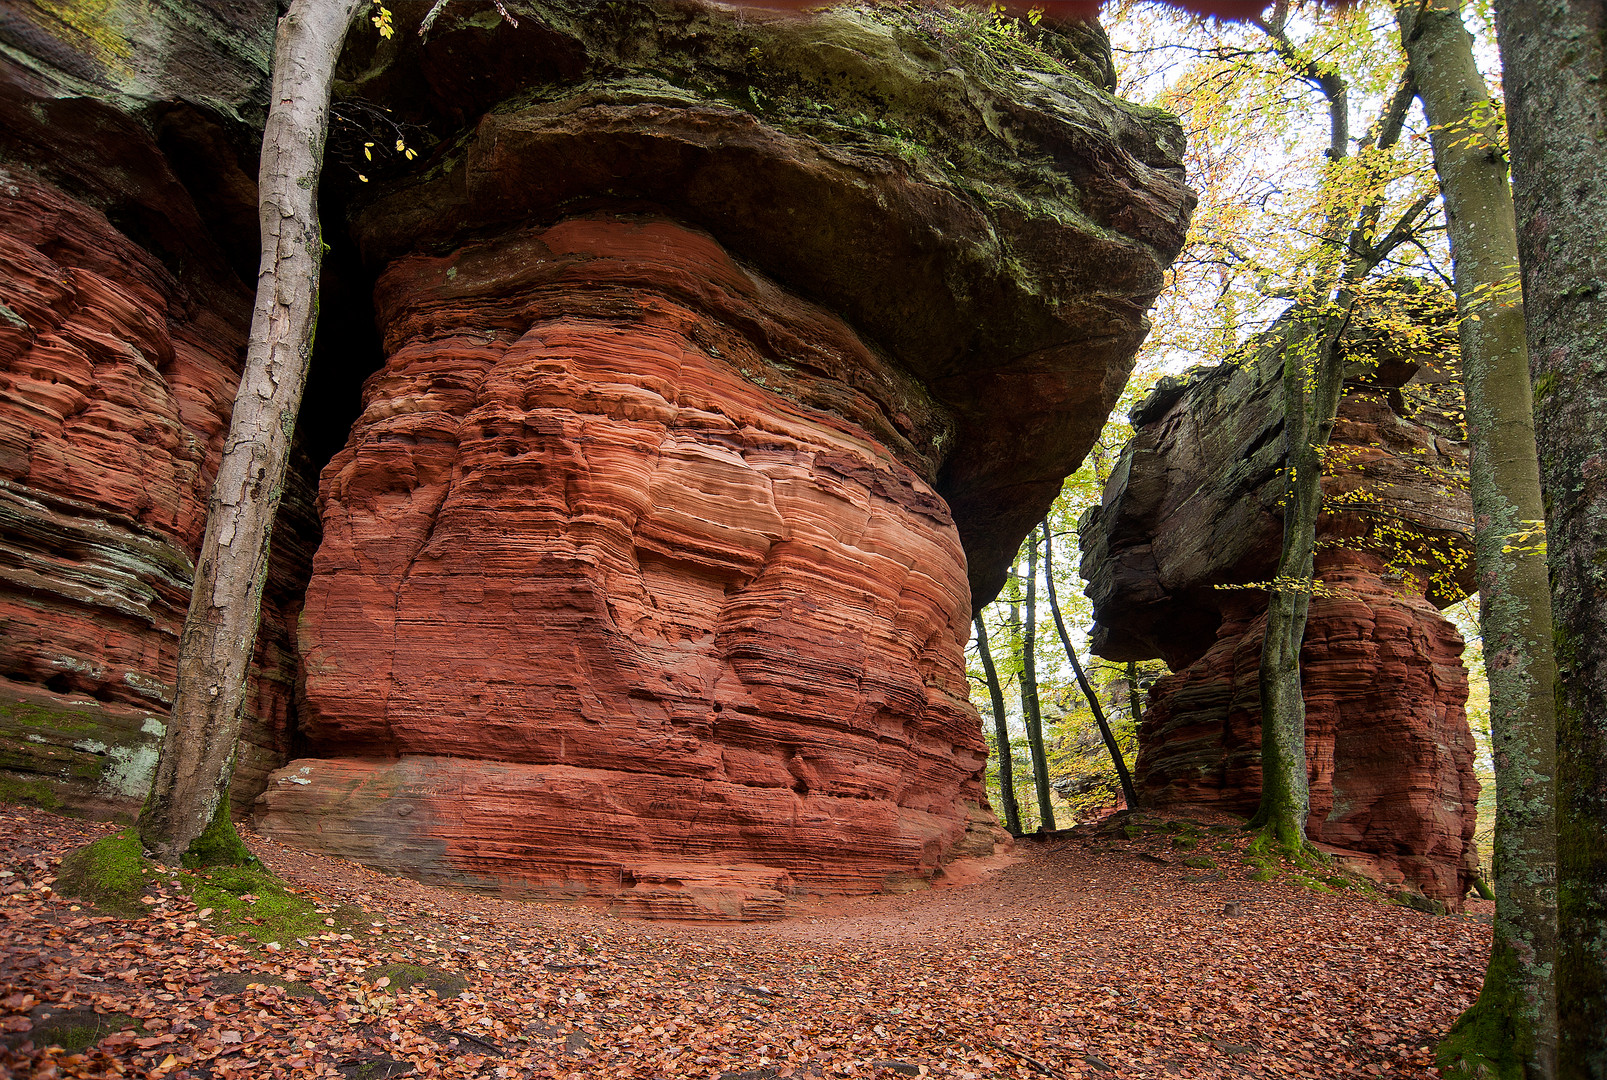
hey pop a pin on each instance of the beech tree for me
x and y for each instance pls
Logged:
(1350, 246)
(1555, 59)
(1510, 1027)
(190, 787)
(1105, 733)
(1001, 730)
(1030, 712)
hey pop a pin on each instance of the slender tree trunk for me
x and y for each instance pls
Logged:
(1001, 732)
(1312, 354)
(1313, 378)
(1133, 693)
(1029, 691)
(1556, 63)
(1511, 1024)
(192, 775)
(1082, 679)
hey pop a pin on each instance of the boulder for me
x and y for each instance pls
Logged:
(1190, 524)
(727, 361)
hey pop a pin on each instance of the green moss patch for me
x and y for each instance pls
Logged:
(402, 977)
(237, 982)
(250, 901)
(76, 1030)
(219, 844)
(111, 874)
(29, 792)
(1200, 862)
(114, 876)
(1418, 902)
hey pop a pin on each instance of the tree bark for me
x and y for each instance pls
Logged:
(1082, 679)
(1001, 732)
(1313, 379)
(1029, 691)
(1511, 1024)
(192, 774)
(1555, 59)
(1308, 421)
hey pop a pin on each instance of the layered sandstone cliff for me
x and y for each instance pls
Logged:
(121, 327)
(724, 359)
(1191, 515)
(724, 370)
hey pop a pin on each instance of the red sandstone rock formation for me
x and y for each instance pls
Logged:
(668, 514)
(119, 340)
(589, 535)
(1193, 506)
(115, 387)
(727, 359)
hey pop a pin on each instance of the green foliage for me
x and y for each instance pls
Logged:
(1258, 154)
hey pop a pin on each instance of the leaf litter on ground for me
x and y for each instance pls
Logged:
(1098, 953)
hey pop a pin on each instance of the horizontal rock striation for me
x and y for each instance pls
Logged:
(596, 530)
(115, 389)
(728, 360)
(997, 226)
(121, 328)
(1191, 515)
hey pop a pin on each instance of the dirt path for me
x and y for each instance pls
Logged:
(1089, 958)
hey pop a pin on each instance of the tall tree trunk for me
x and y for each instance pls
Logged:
(1511, 1024)
(1133, 693)
(1029, 691)
(1082, 680)
(1313, 378)
(1312, 354)
(1001, 732)
(1556, 63)
(192, 775)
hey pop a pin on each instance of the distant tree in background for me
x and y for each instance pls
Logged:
(1001, 731)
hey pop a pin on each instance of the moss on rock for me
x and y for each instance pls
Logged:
(110, 873)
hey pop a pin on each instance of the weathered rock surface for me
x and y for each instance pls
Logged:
(728, 356)
(591, 533)
(115, 388)
(121, 326)
(997, 226)
(1193, 506)
(727, 361)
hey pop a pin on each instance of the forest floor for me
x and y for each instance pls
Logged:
(1094, 955)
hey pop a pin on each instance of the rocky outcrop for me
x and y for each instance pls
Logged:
(724, 370)
(727, 356)
(1191, 517)
(121, 327)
